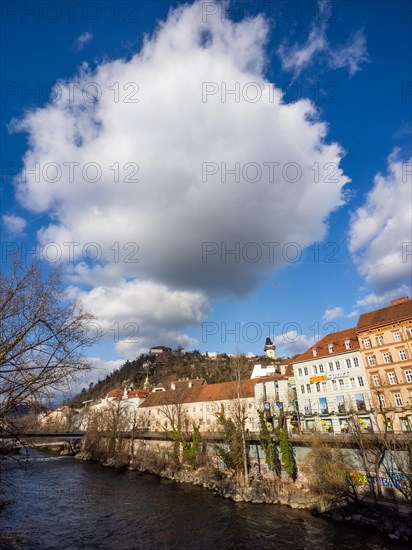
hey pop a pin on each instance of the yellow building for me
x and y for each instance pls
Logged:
(385, 338)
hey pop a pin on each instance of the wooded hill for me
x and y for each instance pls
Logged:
(163, 369)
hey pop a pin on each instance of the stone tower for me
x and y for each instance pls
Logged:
(270, 349)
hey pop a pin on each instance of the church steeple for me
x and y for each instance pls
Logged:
(146, 385)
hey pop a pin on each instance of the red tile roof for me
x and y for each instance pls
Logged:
(385, 315)
(180, 384)
(337, 339)
(116, 393)
(209, 392)
(142, 394)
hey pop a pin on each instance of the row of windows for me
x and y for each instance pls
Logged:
(331, 347)
(392, 379)
(397, 399)
(331, 367)
(396, 337)
(354, 382)
(387, 357)
(339, 404)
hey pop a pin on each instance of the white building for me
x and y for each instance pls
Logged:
(331, 385)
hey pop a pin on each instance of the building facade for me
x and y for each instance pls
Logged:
(198, 405)
(385, 337)
(332, 387)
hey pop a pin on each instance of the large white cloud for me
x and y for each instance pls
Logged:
(169, 134)
(380, 235)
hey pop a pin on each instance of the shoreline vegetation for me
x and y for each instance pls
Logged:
(389, 518)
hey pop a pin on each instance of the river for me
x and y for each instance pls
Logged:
(62, 503)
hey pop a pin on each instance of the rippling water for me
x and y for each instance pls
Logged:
(61, 503)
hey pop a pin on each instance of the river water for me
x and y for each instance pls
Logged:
(62, 503)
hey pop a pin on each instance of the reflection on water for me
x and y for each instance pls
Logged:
(62, 503)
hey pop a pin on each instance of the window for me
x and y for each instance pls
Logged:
(305, 370)
(330, 367)
(315, 352)
(355, 362)
(307, 407)
(382, 401)
(337, 365)
(334, 385)
(360, 381)
(408, 375)
(302, 389)
(402, 355)
(398, 399)
(315, 369)
(410, 333)
(397, 337)
(392, 378)
(379, 340)
(340, 401)
(323, 405)
(308, 388)
(317, 387)
(341, 383)
(376, 380)
(300, 371)
(348, 363)
(371, 360)
(330, 348)
(352, 383)
(366, 343)
(360, 402)
(321, 369)
(347, 344)
(386, 357)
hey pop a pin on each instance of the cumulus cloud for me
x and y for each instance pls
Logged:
(375, 300)
(15, 225)
(298, 57)
(338, 312)
(134, 314)
(82, 40)
(380, 231)
(159, 210)
(291, 343)
(333, 313)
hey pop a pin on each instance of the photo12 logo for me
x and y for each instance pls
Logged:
(72, 172)
(253, 332)
(268, 252)
(72, 252)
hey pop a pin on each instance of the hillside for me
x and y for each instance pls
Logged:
(167, 367)
(164, 368)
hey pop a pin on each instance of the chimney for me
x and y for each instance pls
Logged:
(400, 300)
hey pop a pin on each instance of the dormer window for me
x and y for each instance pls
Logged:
(315, 352)
(330, 348)
(347, 344)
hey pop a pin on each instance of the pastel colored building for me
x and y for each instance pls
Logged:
(385, 337)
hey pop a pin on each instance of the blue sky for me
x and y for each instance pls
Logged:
(120, 119)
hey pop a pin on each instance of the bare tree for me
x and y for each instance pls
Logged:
(233, 420)
(42, 339)
(176, 418)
